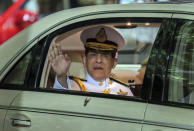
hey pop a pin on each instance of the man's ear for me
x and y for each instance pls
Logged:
(115, 63)
(84, 59)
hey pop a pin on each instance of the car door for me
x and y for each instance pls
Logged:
(171, 102)
(37, 108)
(12, 85)
(6, 97)
(49, 109)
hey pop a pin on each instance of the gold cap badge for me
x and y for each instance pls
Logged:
(101, 35)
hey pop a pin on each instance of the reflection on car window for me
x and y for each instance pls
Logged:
(17, 75)
(129, 71)
(181, 69)
(24, 72)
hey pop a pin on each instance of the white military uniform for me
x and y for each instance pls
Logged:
(108, 86)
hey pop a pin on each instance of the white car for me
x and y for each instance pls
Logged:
(161, 34)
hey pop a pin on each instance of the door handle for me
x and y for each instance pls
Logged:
(21, 123)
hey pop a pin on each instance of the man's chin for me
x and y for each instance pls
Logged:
(98, 78)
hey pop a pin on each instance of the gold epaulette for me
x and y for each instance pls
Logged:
(119, 81)
(79, 82)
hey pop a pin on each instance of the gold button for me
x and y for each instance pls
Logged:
(106, 91)
(100, 83)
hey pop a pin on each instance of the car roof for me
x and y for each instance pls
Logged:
(53, 19)
(28, 35)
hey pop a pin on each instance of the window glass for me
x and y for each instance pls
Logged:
(139, 36)
(18, 73)
(181, 66)
(156, 69)
(139, 41)
(25, 70)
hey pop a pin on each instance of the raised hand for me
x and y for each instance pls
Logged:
(60, 62)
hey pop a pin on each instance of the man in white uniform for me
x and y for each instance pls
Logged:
(101, 45)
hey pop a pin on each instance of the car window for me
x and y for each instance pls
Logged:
(25, 70)
(135, 54)
(139, 35)
(18, 73)
(181, 65)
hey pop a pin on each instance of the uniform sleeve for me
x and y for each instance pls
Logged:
(130, 92)
(57, 85)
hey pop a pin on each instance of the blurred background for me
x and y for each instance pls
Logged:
(15, 15)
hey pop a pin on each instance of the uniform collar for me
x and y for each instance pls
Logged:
(103, 83)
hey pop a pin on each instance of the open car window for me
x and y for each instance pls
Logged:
(139, 37)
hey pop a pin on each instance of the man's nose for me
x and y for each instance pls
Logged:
(99, 58)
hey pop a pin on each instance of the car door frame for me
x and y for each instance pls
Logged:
(162, 114)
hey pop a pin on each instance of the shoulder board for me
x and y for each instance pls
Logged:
(72, 78)
(119, 81)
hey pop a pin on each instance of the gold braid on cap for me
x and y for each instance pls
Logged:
(101, 35)
(100, 46)
(101, 42)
